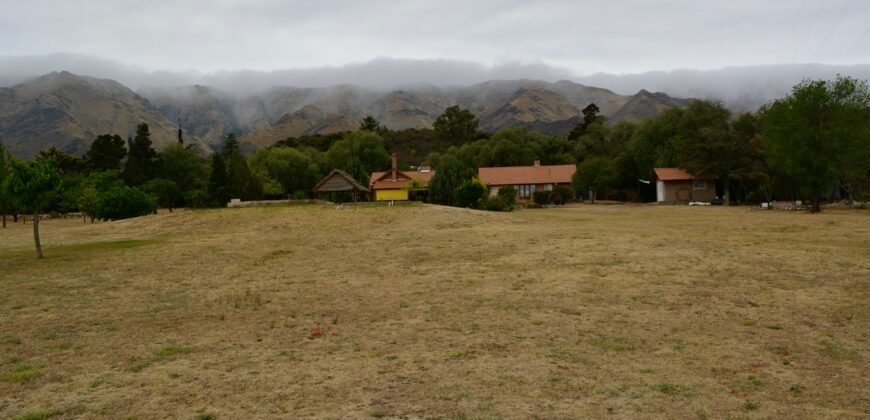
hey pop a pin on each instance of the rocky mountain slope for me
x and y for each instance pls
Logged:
(67, 111)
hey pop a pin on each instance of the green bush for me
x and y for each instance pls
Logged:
(508, 195)
(124, 202)
(563, 194)
(471, 194)
(541, 197)
(498, 204)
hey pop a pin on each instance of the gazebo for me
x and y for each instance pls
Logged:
(340, 183)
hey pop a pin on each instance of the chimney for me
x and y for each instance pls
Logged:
(537, 162)
(395, 167)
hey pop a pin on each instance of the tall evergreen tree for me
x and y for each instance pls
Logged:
(141, 157)
(456, 126)
(369, 123)
(107, 153)
(218, 183)
(241, 183)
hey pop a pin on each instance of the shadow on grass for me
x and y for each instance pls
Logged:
(72, 252)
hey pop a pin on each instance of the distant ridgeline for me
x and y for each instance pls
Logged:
(68, 111)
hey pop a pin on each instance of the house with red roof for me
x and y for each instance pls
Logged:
(526, 179)
(676, 185)
(396, 185)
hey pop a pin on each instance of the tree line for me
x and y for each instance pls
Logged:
(813, 144)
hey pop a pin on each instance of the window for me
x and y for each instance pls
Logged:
(699, 185)
(525, 191)
(548, 187)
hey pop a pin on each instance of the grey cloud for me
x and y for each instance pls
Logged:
(743, 88)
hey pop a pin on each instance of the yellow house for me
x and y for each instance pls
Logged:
(396, 185)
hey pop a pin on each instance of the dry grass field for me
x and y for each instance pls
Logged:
(432, 312)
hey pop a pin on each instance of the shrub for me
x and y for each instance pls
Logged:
(124, 202)
(471, 194)
(563, 194)
(541, 197)
(508, 195)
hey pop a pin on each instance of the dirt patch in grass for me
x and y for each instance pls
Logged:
(427, 311)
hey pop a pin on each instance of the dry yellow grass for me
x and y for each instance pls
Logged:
(425, 311)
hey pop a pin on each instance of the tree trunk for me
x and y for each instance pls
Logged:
(592, 196)
(36, 235)
(727, 191)
(816, 207)
(14, 216)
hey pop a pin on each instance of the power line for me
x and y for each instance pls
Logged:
(834, 25)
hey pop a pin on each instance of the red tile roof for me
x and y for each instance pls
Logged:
(402, 180)
(673, 174)
(520, 175)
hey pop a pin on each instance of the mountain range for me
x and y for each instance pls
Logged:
(68, 111)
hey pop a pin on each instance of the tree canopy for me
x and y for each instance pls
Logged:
(359, 154)
(820, 134)
(456, 125)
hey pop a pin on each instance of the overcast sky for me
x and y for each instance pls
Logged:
(572, 37)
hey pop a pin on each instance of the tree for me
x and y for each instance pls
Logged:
(165, 191)
(141, 162)
(294, 170)
(595, 174)
(218, 184)
(590, 116)
(820, 134)
(241, 183)
(231, 147)
(369, 123)
(107, 153)
(182, 166)
(5, 173)
(714, 149)
(456, 126)
(359, 154)
(450, 174)
(67, 163)
(34, 186)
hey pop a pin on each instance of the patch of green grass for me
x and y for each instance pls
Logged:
(23, 373)
(751, 405)
(391, 357)
(12, 340)
(138, 367)
(673, 389)
(97, 382)
(796, 390)
(36, 415)
(611, 344)
(836, 350)
(752, 383)
(171, 351)
(206, 416)
(453, 354)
